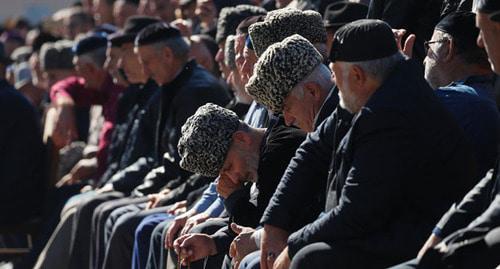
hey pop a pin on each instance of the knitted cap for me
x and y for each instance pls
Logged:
(230, 52)
(231, 17)
(282, 66)
(206, 138)
(282, 23)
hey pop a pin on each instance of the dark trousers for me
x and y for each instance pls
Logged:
(157, 256)
(143, 235)
(121, 241)
(323, 255)
(99, 235)
(80, 254)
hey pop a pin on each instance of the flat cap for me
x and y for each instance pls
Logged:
(155, 33)
(230, 52)
(363, 40)
(282, 66)
(133, 25)
(206, 138)
(90, 43)
(282, 23)
(462, 27)
(57, 55)
(231, 17)
(340, 13)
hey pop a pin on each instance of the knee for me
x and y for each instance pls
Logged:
(309, 255)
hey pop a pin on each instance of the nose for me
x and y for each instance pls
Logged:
(480, 40)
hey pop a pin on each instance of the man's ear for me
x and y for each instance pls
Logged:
(451, 50)
(241, 138)
(313, 89)
(357, 76)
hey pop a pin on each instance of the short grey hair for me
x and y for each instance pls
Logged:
(96, 57)
(321, 74)
(180, 47)
(379, 68)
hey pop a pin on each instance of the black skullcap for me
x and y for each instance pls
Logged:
(462, 27)
(133, 25)
(488, 7)
(243, 26)
(156, 32)
(363, 40)
(42, 38)
(340, 13)
(90, 43)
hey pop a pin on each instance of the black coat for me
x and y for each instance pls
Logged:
(22, 159)
(403, 161)
(178, 100)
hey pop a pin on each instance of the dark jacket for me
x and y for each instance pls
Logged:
(177, 100)
(473, 205)
(472, 104)
(403, 161)
(124, 149)
(246, 206)
(22, 158)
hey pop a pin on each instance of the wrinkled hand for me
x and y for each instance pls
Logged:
(64, 131)
(432, 241)
(225, 186)
(407, 48)
(283, 260)
(242, 245)
(83, 169)
(193, 221)
(155, 198)
(273, 241)
(105, 188)
(193, 247)
(177, 208)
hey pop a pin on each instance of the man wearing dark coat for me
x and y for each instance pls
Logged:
(387, 174)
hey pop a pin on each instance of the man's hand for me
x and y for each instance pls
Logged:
(106, 188)
(273, 241)
(176, 226)
(407, 48)
(83, 169)
(193, 247)
(225, 186)
(283, 260)
(430, 243)
(193, 221)
(64, 131)
(177, 208)
(155, 198)
(242, 245)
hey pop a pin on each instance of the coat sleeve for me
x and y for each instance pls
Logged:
(471, 206)
(304, 181)
(373, 182)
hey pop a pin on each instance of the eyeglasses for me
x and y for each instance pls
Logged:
(428, 43)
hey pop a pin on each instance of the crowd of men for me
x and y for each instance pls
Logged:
(253, 134)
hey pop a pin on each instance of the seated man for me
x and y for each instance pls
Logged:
(459, 71)
(467, 236)
(22, 170)
(386, 177)
(215, 142)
